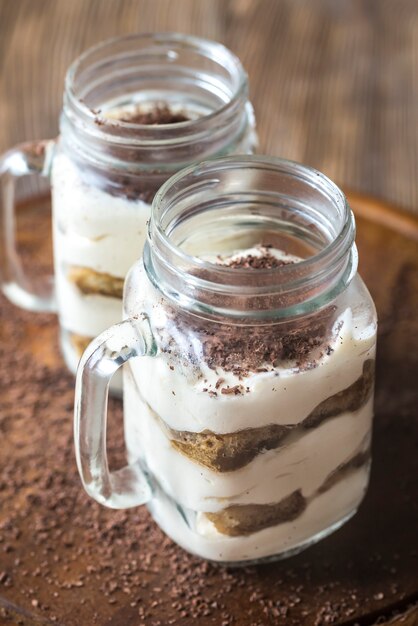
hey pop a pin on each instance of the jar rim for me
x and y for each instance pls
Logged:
(211, 49)
(335, 263)
(253, 160)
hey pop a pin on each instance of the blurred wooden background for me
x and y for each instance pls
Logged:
(334, 82)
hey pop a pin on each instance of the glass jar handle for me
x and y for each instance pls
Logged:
(23, 160)
(128, 486)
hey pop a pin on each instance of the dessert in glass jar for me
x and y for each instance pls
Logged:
(250, 343)
(136, 110)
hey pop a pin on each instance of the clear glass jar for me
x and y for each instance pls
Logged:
(248, 414)
(136, 110)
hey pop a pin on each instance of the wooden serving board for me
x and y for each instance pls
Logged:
(66, 560)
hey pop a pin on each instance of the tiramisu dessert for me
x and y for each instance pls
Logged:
(256, 435)
(137, 109)
(99, 232)
(249, 350)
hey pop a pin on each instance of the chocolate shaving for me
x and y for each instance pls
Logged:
(237, 390)
(243, 349)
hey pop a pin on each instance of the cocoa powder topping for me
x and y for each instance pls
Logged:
(159, 115)
(241, 350)
(250, 346)
(265, 261)
(131, 186)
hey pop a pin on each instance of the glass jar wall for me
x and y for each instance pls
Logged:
(252, 415)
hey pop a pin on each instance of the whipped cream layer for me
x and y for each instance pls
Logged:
(284, 395)
(92, 228)
(86, 314)
(324, 514)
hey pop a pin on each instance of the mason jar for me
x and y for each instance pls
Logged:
(249, 339)
(136, 110)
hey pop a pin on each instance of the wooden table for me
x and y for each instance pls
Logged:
(334, 84)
